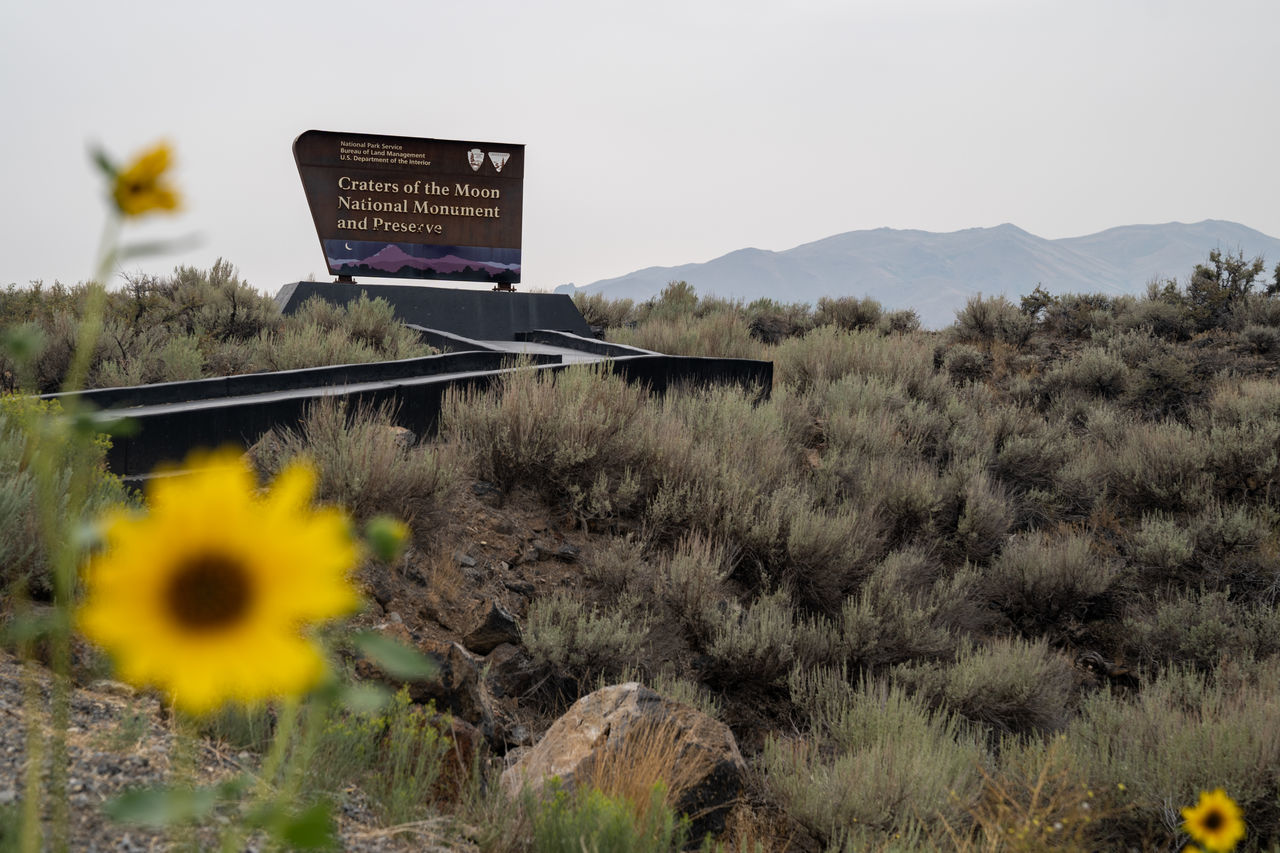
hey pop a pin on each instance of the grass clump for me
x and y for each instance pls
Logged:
(395, 756)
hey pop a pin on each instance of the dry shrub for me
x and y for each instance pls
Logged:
(1184, 732)
(876, 761)
(828, 552)
(772, 322)
(601, 312)
(721, 334)
(1044, 582)
(848, 312)
(975, 513)
(579, 644)
(993, 319)
(755, 647)
(24, 556)
(1157, 467)
(829, 353)
(1035, 801)
(1200, 629)
(691, 581)
(1010, 685)
(1161, 547)
(366, 463)
(1094, 373)
(1164, 385)
(965, 363)
(582, 437)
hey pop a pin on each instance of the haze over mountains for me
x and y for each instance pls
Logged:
(935, 273)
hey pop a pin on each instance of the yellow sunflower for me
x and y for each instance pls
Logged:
(208, 595)
(141, 187)
(1215, 821)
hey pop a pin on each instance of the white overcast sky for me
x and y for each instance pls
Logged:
(657, 133)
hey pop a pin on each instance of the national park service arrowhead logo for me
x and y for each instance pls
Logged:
(498, 159)
(475, 158)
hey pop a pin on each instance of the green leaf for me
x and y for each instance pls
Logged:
(161, 806)
(23, 343)
(117, 426)
(103, 162)
(394, 659)
(365, 698)
(313, 829)
(158, 247)
(386, 537)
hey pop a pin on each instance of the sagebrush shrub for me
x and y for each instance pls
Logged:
(1010, 685)
(1157, 467)
(603, 313)
(756, 646)
(848, 312)
(581, 643)
(1184, 732)
(1094, 373)
(876, 759)
(1043, 582)
(1200, 629)
(367, 464)
(828, 353)
(583, 437)
(965, 363)
(992, 319)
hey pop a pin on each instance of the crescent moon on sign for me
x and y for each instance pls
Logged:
(347, 246)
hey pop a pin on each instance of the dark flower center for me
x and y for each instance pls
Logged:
(1213, 820)
(208, 592)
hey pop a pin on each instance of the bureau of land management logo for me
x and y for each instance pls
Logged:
(475, 159)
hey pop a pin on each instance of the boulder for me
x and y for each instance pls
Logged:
(629, 735)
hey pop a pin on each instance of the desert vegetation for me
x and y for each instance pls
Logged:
(1009, 585)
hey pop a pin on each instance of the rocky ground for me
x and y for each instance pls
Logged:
(460, 600)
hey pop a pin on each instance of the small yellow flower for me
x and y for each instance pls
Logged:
(141, 187)
(207, 597)
(1215, 821)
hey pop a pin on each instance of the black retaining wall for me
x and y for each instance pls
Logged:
(168, 431)
(480, 314)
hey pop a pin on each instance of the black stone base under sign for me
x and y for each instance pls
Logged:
(480, 314)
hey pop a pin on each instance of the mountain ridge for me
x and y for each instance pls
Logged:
(935, 273)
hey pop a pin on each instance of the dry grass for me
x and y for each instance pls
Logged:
(648, 753)
(1037, 803)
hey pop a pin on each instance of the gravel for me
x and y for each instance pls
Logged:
(120, 739)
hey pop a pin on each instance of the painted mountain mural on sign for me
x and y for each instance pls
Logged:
(456, 263)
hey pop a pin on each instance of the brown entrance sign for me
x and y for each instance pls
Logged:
(405, 207)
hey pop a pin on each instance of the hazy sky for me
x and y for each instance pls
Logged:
(656, 133)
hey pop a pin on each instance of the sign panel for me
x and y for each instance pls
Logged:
(405, 207)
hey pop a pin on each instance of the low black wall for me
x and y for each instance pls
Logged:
(480, 314)
(273, 382)
(167, 432)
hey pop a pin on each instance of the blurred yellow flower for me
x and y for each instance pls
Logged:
(208, 595)
(141, 188)
(1215, 821)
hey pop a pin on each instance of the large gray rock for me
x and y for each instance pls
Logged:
(629, 730)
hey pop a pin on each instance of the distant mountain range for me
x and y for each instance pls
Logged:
(936, 273)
